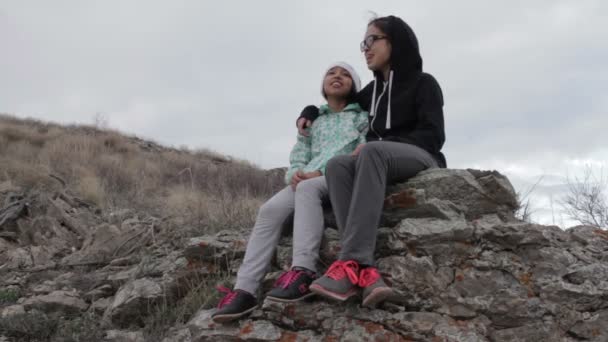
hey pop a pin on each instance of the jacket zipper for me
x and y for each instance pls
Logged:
(371, 126)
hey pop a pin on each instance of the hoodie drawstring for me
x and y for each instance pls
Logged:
(388, 108)
(375, 105)
(373, 111)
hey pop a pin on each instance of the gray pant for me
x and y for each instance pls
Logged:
(357, 186)
(307, 231)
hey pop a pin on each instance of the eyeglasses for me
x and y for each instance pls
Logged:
(367, 43)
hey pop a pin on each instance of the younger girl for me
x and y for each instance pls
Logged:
(339, 129)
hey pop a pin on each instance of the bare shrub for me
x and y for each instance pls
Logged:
(525, 208)
(101, 121)
(586, 201)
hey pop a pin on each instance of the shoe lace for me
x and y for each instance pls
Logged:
(228, 297)
(368, 276)
(341, 269)
(288, 278)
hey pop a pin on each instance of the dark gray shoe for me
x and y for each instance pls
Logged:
(339, 282)
(375, 290)
(234, 305)
(292, 286)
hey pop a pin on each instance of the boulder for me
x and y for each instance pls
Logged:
(12, 310)
(67, 302)
(462, 267)
(133, 300)
(218, 250)
(124, 336)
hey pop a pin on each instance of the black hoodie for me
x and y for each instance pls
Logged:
(416, 100)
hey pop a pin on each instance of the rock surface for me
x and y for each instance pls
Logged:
(463, 269)
(57, 301)
(130, 299)
(462, 266)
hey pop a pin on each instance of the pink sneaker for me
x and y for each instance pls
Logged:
(375, 290)
(339, 282)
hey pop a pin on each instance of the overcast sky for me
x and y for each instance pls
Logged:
(524, 82)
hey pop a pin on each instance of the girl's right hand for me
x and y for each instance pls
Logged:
(302, 124)
(357, 150)
(295, 179)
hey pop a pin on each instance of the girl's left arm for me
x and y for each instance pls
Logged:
(362, 124)
(299, 157)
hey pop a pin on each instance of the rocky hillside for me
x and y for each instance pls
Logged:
(73, 268)
(113, 172)
(74, 199)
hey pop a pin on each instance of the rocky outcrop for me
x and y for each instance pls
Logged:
(462, 266)
(463, 269)
(486, 280)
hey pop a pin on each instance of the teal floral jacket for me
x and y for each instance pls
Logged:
(331, 134)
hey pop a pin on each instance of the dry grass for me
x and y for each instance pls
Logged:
(39, 326)
(33, 326)
(201, 295)
(8, 296)
(200, 189)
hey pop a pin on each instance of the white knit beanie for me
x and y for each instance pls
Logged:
(353, 75)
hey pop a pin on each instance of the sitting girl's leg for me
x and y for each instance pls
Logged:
(340, 175)
(260, 248)
(307, 234)
(264, 239)
(308, 222)
(379, 163)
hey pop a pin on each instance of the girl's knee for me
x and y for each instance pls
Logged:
(371, 147)
(308, 187)
(338, 163)
(272, 209)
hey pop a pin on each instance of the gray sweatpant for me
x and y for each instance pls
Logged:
(307, 231)
(357, 186)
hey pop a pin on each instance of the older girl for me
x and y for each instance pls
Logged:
(405, 137)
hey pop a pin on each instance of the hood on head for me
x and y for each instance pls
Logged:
(405, 60)
(405, 54)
